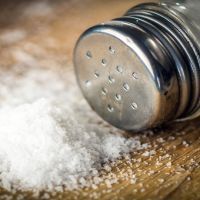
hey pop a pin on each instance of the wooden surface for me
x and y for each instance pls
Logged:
(53, 27)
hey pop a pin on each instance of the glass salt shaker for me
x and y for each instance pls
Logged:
(143, 69)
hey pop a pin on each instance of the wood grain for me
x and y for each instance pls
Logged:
(173, 171)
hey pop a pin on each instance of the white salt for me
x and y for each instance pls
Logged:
(149, 153)
(12, 36)
(49, 137)
(40, 9)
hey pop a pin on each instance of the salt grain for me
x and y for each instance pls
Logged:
(160, 140)
(161, 180)
(149, 153)
(185, 144)
(169, 164)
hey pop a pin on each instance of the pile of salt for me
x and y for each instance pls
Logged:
(49, 137)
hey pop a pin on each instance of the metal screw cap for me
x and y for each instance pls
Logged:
(126, 75)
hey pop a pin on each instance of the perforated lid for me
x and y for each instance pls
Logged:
(126, 75)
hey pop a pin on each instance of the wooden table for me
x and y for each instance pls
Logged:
(173, 171)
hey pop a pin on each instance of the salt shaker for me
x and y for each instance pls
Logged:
(143, 69)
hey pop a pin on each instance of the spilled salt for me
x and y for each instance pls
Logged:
(42, 8)
(12, 36)
(49, 137)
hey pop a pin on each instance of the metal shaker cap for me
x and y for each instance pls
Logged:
(126, 75)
